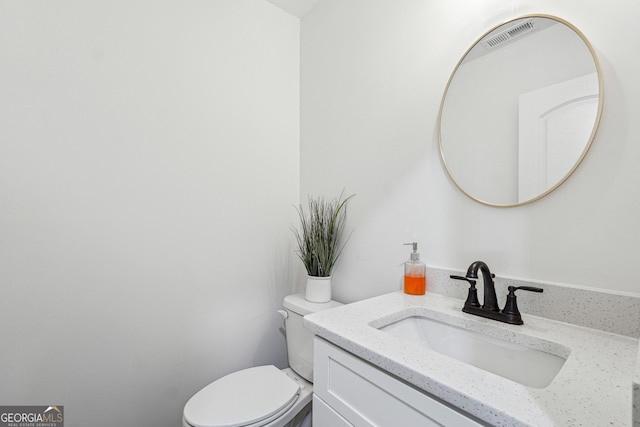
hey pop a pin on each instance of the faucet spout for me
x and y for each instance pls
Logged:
(490, 299)
(490, 309)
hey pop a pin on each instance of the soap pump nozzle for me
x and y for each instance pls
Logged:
(415, 256)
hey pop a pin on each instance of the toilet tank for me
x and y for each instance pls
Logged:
(299, 339)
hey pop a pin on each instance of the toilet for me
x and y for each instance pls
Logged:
(264, 396)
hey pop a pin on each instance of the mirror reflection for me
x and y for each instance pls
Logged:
(520, 111)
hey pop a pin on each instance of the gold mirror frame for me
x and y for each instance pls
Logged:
(588, 143)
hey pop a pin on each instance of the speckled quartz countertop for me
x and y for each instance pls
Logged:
(593, 388)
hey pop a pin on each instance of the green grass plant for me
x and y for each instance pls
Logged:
(319, 238)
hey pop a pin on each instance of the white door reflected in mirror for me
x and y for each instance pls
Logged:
(554, 127)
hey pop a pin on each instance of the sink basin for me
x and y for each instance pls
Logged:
(516, 362)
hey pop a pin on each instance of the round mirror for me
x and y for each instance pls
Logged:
(520, 111)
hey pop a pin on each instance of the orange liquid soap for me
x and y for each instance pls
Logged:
(415, 285)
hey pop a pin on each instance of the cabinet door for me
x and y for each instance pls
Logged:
(324, 415)
(367, 396)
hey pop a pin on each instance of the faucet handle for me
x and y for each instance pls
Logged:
(471, 281)
(525, 288)
(511, 306)
(472, 296)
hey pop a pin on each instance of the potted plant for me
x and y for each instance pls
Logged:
(320, 242)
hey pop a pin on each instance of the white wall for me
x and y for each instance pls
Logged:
(372, 77)
(148, 167)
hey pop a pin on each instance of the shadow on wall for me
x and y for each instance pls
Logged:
(285, 274)
(285, 278)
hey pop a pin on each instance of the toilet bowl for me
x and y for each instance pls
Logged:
(264, 396)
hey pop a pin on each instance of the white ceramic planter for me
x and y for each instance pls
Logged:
(318, 289)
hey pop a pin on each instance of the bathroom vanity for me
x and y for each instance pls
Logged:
(398, 359)
(348, 388)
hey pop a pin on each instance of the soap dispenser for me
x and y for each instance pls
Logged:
(415, 279)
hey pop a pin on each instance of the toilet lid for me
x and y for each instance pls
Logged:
(242, 398)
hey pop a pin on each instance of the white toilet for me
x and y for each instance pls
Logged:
(264, 396)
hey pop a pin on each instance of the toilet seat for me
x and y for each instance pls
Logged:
(251, 397)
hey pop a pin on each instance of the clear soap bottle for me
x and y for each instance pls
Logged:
(415, 273)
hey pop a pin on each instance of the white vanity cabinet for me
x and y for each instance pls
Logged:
(349, 391)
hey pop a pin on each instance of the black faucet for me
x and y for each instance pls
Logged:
(510, 313)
